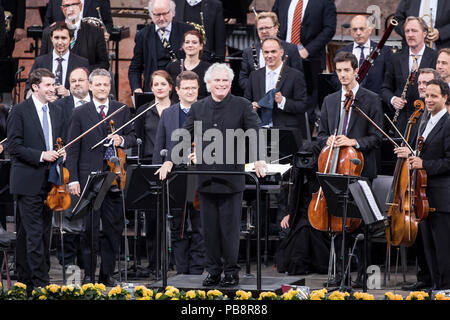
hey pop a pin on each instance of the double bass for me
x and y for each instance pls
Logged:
(318, 215)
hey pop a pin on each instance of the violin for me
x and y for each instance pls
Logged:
(58, 199)
(118, 168)
(318, 214)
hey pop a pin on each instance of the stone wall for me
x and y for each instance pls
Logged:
(387, 7)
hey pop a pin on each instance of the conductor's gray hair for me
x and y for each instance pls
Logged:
(217, 68)
(99, 72)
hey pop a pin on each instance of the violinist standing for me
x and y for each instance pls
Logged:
(435, 160)
(357, 131)
(32, 128)
(81, 161)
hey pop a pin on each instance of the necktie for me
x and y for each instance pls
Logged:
(349, 95)
(102, 113)
(361, 56)
(297, 23)
(414, 66)
(166, 45)
(81, 102)
(45, 127)
(75, 34)
(185, 110)
(59, 71)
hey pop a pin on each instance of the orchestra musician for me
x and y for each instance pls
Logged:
(435, 160)
(443, 64)
(357, 131)
(81, 161)
(188, 245)
(33, 127)
(220, 196)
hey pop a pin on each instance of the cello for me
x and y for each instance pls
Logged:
(318, 215)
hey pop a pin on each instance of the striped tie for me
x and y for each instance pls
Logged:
(297, 23)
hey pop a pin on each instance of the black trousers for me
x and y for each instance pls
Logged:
(108, 240)
(221, 220)
(33, 240)
(436, 242)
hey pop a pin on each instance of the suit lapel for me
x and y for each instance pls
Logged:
(435, 131)
(360, 98)
(36, 120)
(333, 117)
(262, 83)
(53, 120)
(174, 123)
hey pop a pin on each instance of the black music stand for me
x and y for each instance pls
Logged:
(91, 199)
(143, 98)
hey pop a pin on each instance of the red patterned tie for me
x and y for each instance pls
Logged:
(297, 23)
(102, 112)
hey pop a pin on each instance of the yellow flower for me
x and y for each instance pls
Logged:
(169, 293)
(144, 298)
(100, 286)
(441, 296)
(191, 294)
(21, 285)
(174, 298)
(173, 289)
(158, 295)
(201, 293)
(242, 295)
(42, 298)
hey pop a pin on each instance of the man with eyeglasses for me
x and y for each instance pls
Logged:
(88, 9)
(88, 41)
(156, 45)
(252, 57)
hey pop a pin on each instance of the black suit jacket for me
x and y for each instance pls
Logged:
(81, 160)
(368, 137)
(248, 62)
(214, 27)
(318, 25)
(374, 78)
(90, 44)
(436, 162)
(46, 62)
(26, 143)
(395, 78)
(408, 8)
(233, 113)
(292, 87)
(145, 58)
(167, 124)
(54, 12)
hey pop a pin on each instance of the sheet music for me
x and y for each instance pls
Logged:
(371, 199)
(273, 168)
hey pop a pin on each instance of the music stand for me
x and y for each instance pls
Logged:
(91, 199)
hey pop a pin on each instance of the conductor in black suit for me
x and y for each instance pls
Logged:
(413, 57)
(252, 58)
(60, 60)
(33, 127)
(290, 102)
(88, 41)
(435, 160)
(157, 44)
(81, 161)
(220, 196)
(209, 15)
(89, 9)
(440, 11)
(361, 47)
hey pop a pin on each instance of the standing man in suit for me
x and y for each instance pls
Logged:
(356, 131)
(252, 58)
(88, 41)
(310, 25)
(435, 160)
(209, 14)
(220, 196)
(290, 101)
(60, 61)
(81, 161)
(88, 9)
(157, 44)
(440, 11)
(188, 246)
(443, 64)
(361, 47)
(412, 58)
(33, 127)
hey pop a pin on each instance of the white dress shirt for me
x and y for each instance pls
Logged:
(418, 55)
(432, 122)
(65, 64)
(291, 18)
(166, 31)
(271, 82)
(38, 105)
(343, 92)
(77, 102)
(357, 51)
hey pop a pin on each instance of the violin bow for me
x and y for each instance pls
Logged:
(401, 136)
(127, 123)
(4, 140)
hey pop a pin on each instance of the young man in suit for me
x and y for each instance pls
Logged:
(157, 44)
(81, 161)
(33, 127)
(88, 9)
(220, 196)
(435, 160)
(439, 9)
(209, 14)
(188, 246)
(353, 129)
(60, 61)
(412, 58)
(361, 47)
(252, 58)
(88, 41)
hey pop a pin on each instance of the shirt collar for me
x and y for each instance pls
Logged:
(365, 45)
(277, 70)
(38, 104)
(98, 104)
(193, 2)
(65, 56)
(166, 30)
(435, 119)
(355, 90)
(183, 107)
(76, 100)
(420, 54)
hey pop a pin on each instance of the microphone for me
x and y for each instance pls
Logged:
(20, 70)
(163, 153)
(139, 142)
(359, 237)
